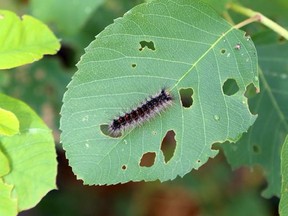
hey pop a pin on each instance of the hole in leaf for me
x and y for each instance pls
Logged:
(256, 149)
(147, 159)
(149, 45)
(168, 145)
(104, 129)
(198, 161)
(230, 87)
(133, 65)
(223, 51)
(250, 92)
(124, 167)
(186, 97)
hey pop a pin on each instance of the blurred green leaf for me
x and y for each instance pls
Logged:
(9, 124)
(4, 164)
(176, 45)
(262, 144)
(8, 205)
(68, 16)
(4, 80)
(247, 203)
(102, 17)
(31, 155)
(283, 208)
(24, 41)
(46, 80)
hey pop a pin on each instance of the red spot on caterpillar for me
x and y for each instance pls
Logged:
(144, 112)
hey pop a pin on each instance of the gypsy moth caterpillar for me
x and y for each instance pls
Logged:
(142, 113)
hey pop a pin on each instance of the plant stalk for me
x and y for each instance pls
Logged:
(256, 16)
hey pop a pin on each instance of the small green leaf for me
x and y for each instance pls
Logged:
(180, 45)
(31, 154)
(283, 207)
(9, 124)
(68, 16)
(24, 41)
(4, 164)
(8, 205)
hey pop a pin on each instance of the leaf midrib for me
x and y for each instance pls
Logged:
(201, 57)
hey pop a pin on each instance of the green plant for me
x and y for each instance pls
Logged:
(26, 144)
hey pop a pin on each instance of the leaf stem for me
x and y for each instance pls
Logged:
(256, 16)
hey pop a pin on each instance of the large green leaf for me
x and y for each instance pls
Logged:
(24, 41)
(9, 124)
(262, 145)
(31, 156)
(68, 16)
(174, 44)
(4, 165)
(283, 208)
(8, 205)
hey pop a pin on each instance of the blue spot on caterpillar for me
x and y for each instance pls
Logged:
(144, 112)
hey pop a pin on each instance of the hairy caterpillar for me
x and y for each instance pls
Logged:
(142, 113)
